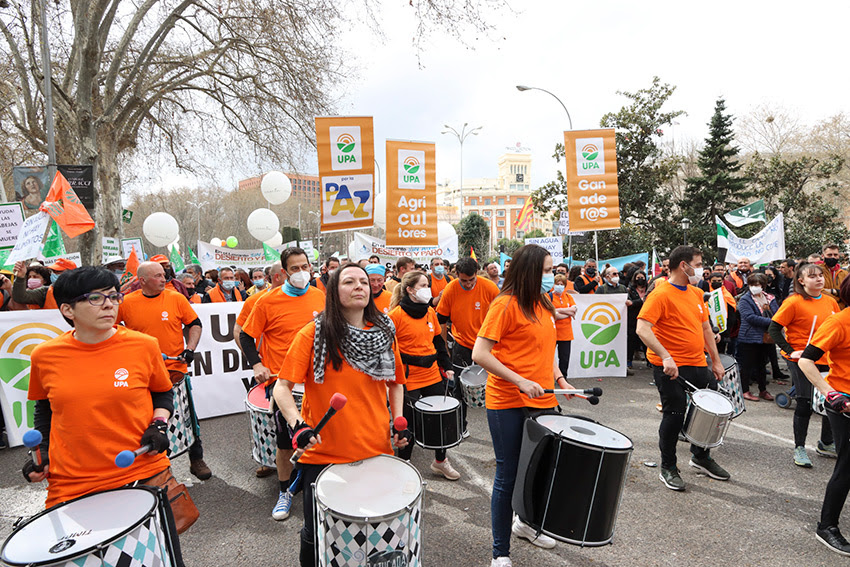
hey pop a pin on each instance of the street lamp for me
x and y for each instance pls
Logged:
(523, 88)
(461, 136)
(686, 224)
(198, 205)
(318, 232)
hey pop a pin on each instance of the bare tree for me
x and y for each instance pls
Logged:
(769, 130)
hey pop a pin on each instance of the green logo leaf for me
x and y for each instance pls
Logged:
(600, 334)
(12, 367)
(589, 156)
(411, 169)
(345, 148)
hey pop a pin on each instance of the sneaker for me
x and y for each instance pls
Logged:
(200, 469)
(710, 467)
(749, 397)
(501, 562)
(801, 459)
(524, 531)
(284, 503)
(265, 471)
(445, 468)
(827, 450)
(765, 395)
(629, 371)
(465, 436)
(833, 539)
(671, 479)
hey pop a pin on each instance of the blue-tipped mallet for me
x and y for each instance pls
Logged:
(126, 457)
(32, 439)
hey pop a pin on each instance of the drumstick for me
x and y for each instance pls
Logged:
(337, 403)
(812, 332)
(32, 439)
(166, 357)
(589, 391)
(126, 457)
(413, 400)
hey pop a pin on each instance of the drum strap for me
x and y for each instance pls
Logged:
(196, 427)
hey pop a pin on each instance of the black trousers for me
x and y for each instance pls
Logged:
(752, 358)
(461, 358)
(803, 391)
(410, 396)
(839, 485)
(674, 402)
(564, 356)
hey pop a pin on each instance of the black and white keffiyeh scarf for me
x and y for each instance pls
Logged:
(368, 350)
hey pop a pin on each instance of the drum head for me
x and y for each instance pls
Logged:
(727, 361)
(712, 401)
(436, 404)
(474, 376)
(76, 527)
(585, 432)
(373, 488)
(257, 397)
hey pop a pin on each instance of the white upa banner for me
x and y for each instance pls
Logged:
(767, 245)
(717, 309)
(600, 333)
(365, 246)
(554, 244)
(215, 257)
(220, 374)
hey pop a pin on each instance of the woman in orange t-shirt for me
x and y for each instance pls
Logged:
(350, 349)
(561, 297)
(516, 345)
(832, 339)
(423, 353)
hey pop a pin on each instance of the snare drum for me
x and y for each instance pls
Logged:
(731, 384)
(298, 394)
(124, 526)
(369, 513)
(570, 478)
(473, 381)
(263, 432)
(707, 418)
(181, 424)
(437, 422)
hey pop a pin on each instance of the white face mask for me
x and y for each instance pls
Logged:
(614, 281)
(299, 279)
(422, 295)
(756, 290)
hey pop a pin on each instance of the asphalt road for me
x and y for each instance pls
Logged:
(765, 515)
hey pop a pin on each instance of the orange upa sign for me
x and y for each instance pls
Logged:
(411, 194)
(346, 148)
(592, 195)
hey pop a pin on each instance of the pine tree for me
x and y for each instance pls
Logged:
(720, 187)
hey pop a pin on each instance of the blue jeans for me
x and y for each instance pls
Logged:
(506, 430)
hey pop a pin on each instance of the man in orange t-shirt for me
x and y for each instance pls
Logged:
(163, 314)
(673, 324)
(377, 277)
(438, 279)
(276, 318)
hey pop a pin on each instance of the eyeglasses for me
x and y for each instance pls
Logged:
(98, 298)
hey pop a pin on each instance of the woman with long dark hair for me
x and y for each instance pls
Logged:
(349, 349)
(516, 346)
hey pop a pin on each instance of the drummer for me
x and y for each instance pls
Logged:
(673, 324)
(423, 353)
(516, 346)
(801, 315)
(832, 339)
(349, 349)
(123, 371)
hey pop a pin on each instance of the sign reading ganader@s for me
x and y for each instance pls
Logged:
(411, 194)
(592, 195)
(600, 332)
(346, 149)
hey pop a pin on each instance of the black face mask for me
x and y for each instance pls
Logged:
(640, 282)
(830, 262)
(716, 285)
(169, 273)
(590, 272)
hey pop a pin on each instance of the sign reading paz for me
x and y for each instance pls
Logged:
(411, 194)
(592, 194)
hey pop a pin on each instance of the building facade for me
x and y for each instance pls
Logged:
(304, 187)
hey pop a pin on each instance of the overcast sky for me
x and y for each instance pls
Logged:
(752, 53)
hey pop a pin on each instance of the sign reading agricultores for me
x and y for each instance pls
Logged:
(411, 194)
(592, 194)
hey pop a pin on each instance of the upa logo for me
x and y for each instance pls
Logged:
(600, 324)
(345, 147)
(590, 156)
(411, 169)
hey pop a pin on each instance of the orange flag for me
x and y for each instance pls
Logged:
(66, 209)
(130, 269)
(472, 253)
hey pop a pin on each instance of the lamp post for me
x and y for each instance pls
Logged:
(523, 88)
(461, 136)
(198, 205)
(686, 224)
(318, 232)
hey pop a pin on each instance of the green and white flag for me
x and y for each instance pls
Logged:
(270, 253)
(754, 212)
(192, 258)
(53, 244)
(175, 259)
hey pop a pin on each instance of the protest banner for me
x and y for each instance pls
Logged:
(130, 244)
(411, 194)
(110, 247)
(554, 244)
(365, 246)
(564, 225)
(30, 238)
(346, 152)
(717, 310)
(600, 334)
(75, 257)
(617, 262)
(592, 194)
(11, 221)
(215, 257)
(767, 245)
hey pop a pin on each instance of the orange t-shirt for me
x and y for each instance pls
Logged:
(49, 301)
(564, 326)
(570, 286)
(526, 347)
(416, 338)
(248, 306)
(833, 337)
(797, 314)
(320, 286)
(100, 396)
(276, 318)
(382, 302)
(677, 316)
(467, 308)
(438, 284)
(162, 317)
(358, 431)
(195, 298)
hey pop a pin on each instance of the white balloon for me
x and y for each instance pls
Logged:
(275, 240)
(380, 212)
(352, 252)
(175, 245)
(263, 224)
(276, 187)
(445, 230)
(216, 242)
(161, 229)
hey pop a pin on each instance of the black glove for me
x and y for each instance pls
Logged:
(156, 435)
(302, 434)
(404, 434)
(188, 355)
(30, 466)
(837, 401)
